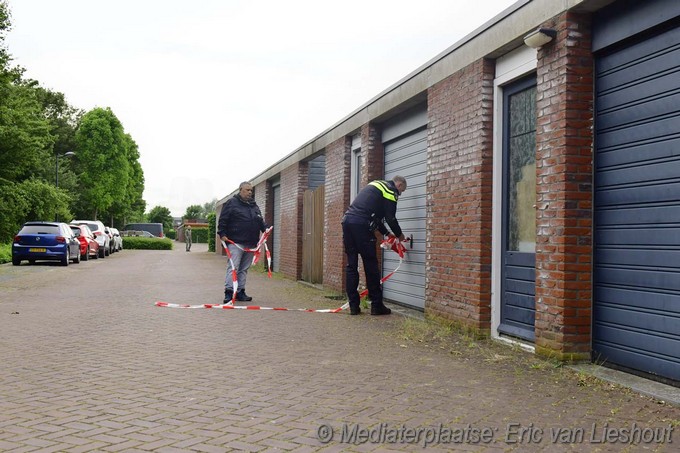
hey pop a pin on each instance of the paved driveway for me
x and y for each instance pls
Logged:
(97, 367)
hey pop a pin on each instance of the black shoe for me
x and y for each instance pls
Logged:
(241, 296)
(227, 296)
(355, 310)
(380, 310)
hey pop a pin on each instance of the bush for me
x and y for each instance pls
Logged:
(5, 253)
(171, 234)
(140, 243)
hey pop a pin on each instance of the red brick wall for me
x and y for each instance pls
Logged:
(293, 184)
(338, 155)
(373, 154)
(564, 191)
(459, 188)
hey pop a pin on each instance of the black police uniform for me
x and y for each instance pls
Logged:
(375, 204)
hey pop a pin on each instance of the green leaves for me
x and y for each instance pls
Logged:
(161, 214)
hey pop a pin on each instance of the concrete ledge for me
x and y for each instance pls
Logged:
(658, 390)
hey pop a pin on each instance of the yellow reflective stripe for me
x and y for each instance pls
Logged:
(386, 192)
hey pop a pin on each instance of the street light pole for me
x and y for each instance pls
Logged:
(56, 173)
(56, 166)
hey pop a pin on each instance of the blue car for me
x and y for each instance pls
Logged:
(40, 241)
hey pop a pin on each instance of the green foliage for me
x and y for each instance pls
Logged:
(45, 202)
(25, 140)
(140, 243)
(208, 208)
(13, 208)
(212, 227)
(199, 235)
(160, 214)
(171, 234)
(102, 161)
(193, 212)
(5, 253)
(30, 200)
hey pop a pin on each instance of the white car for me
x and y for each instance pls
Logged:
(117, 240)
(100, 235)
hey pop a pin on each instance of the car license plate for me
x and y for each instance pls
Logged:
(37, 250)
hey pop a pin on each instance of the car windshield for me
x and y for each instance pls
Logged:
(40, 229)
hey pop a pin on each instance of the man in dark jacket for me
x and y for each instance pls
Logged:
(241, 222)
(374, 205)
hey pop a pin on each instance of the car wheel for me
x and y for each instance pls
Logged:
(67, 257)
(101, 254)
(107, 251)
(86, 256)
(76, 260)
(31, 261)
(16, 261)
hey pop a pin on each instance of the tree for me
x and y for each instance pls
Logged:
(193, 212)
(132, 205)
(102, 161)
(160, 214)
(208, 208)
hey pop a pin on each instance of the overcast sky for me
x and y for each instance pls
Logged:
(216, 91)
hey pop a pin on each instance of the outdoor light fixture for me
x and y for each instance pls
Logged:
(539, 37)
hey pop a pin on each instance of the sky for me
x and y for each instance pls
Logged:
(214, 92)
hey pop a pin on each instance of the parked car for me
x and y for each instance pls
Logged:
(155, 229)
(97, 227)
(40, 241)
(117, 240)
(112, 248)
(89, 247)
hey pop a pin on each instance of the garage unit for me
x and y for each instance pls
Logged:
(636, 274)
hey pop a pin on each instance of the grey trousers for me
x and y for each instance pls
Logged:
(242, 261)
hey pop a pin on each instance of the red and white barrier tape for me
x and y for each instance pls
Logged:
(391, 243)
(256, 258)
(250, 307)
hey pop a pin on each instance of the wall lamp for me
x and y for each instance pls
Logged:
(540, 37)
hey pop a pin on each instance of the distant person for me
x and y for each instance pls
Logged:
(375, 204)
(241, 222)
(187, 237)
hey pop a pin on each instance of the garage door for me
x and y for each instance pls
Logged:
(405, 144)
(636, 294)
(276, 222)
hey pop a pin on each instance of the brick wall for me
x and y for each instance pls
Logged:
(373, 154)
(293, 185)
(338, 155)
(564, 191)
(459, 196)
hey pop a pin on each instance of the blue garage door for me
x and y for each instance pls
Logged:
(636, 293)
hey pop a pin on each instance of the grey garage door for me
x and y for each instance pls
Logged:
(636, 293)
(405, 143)
(276, 222)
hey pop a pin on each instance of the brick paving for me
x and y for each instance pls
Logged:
(88, 363)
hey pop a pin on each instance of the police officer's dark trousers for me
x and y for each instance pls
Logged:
(358, 239)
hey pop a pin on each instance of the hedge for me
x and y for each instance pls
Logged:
(141, 243)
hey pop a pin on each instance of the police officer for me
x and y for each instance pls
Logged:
(374, 205)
